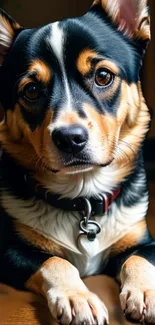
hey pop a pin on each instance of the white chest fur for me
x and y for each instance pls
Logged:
(63, 228)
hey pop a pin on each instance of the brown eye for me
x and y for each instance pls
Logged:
(103, 77)
(32, 91)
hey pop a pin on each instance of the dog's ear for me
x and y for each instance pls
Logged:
(9, 29)
(130, 16)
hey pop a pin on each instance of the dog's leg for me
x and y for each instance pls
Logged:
(68, 298)
(137, 276)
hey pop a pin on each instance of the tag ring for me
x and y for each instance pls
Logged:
(91, 233)
(85, 223)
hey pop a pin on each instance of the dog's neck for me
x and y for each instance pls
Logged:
(87, 184)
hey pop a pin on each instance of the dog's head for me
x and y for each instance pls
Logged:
(71, 90)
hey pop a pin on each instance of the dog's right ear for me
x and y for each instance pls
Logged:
(9, 29)
(130, 17)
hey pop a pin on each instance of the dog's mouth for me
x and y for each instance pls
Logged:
(78, 166)
(77, 162)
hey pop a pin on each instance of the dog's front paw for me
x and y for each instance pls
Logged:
(77, 307)
(69, 300)
(138, 305)
(138, 290)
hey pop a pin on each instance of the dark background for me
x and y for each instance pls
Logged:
(32, 13)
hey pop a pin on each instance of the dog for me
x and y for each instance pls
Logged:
(74, 195)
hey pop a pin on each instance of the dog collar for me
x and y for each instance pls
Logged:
(88, 207)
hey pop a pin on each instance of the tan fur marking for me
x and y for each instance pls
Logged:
(131, 239)
(36, 239)
(133, 103)
(16, 124)
(144, 33)
(16, 26)
(104, 3)
(143, 22)
(123, 106)
(104, 122)
(12, 117)
(69, 118)
(84, 61)
(130, 103)
(23, 144)
(105, 127)
(131, 136)
(35, 283)
(133, 122)
(41, 69)
(49, 270)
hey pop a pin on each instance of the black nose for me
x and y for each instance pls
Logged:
(71, 139)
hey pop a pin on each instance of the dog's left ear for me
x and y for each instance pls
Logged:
(130, 16)
(9, 29)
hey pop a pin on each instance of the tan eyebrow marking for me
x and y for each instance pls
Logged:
(84, 62)
(41, 69)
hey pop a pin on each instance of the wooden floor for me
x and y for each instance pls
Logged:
(18, 308)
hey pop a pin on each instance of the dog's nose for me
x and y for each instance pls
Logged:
(71, 139)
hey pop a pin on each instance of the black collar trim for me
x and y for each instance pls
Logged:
(98, 205)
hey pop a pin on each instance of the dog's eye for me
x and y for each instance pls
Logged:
(32, 91)
(103, 77)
